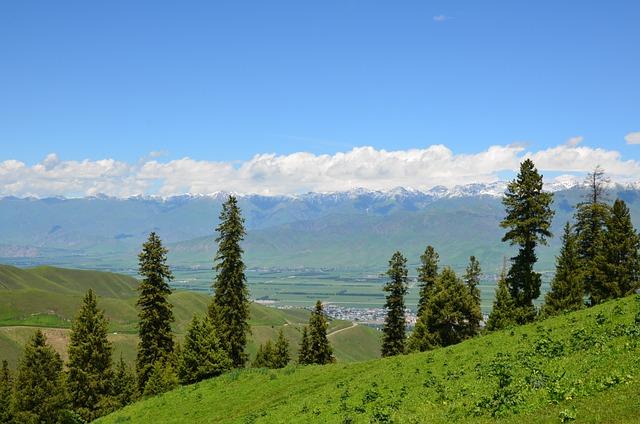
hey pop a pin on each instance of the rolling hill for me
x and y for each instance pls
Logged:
(582, 367)
(49, 297)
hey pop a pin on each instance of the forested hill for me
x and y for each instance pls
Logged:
(313, 230)
(582, 367)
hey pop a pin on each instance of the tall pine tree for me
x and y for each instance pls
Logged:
(427, 275)
(503, 312)
(304, 352)
(320, 350)
(155, 312)
(621, 258)
(528, 222)
(124, 385)
(591, 216)
(89, 374)
(281, 355)
(6, 391)
(39, 389)
(229, 308)
(567, 290)
(203, 353)
(472, 281)
(393, 339)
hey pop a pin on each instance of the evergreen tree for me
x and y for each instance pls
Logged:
(203, 355)
(155, 312)
(281, 355)
(264, 356)
(472, 280)
(304, 353)
(393, 339)
(320, 351)
(567, 291)
(621, 260)
(124, 385)
(162, 378)
(39, 389)
(450, 310)
(6, 391)
(591, 217)
(421, 339)
(427, 275)
(528, 222)
(503, 312)
(89, 367)
(229, 309)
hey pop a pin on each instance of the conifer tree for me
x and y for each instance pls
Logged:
(304, 353)
(421, 339)
(124, 385)
(567, 290)
(528, 222)
(162, 378)
(450, 310)
(281, 355)
(39, 390)
(427, 275)
(472, 281)
(6, 391)
(264, 356)
(503, 312)
(89, 367)
(621, 260)
(393, 339)
(155, 312)
(203, 354)
(591, 216)
(229, 308)
(320, 350)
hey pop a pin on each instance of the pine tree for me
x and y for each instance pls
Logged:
(39, 388)
(155, 312)
(264, 356)
(89, 367)
(421, 339)
(124, 385)
(450, 310)
(304, 353)
(472, 281)
(162, 378)
(567, 290)
(591, 217)
(203, 354)
(229, 308)
(281, 355)
(503, 312)
(427, 275)
(320, 351)
(528, 222)
(393, 339)
(6, 391)
(621, 260)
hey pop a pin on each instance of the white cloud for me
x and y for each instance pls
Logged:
(633, 138)
(441, 18)
(300, 172)
(574, 141)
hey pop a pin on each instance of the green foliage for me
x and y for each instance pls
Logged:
(39, 389)
(472, 281)
(125, 389)
(427, 275)
(281, 355)
(229, 309)
(155, 312)
(162, 378)
(503, 312)
(304, 352)
(591, 216)
(320, 350)
(621, 257)
(6, 391)
(567, 290)
(393, 340)
(528, 222)
(204, 354)
(89, 374)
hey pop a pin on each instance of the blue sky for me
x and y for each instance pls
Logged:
(224, 81)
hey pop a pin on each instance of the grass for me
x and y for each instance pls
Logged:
(582, 367)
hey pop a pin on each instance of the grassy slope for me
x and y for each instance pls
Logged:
(48, 298)
(584, 365)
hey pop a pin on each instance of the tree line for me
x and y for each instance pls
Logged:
(599, 260)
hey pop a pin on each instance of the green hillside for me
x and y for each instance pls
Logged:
(48, 298)
(583, 366)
